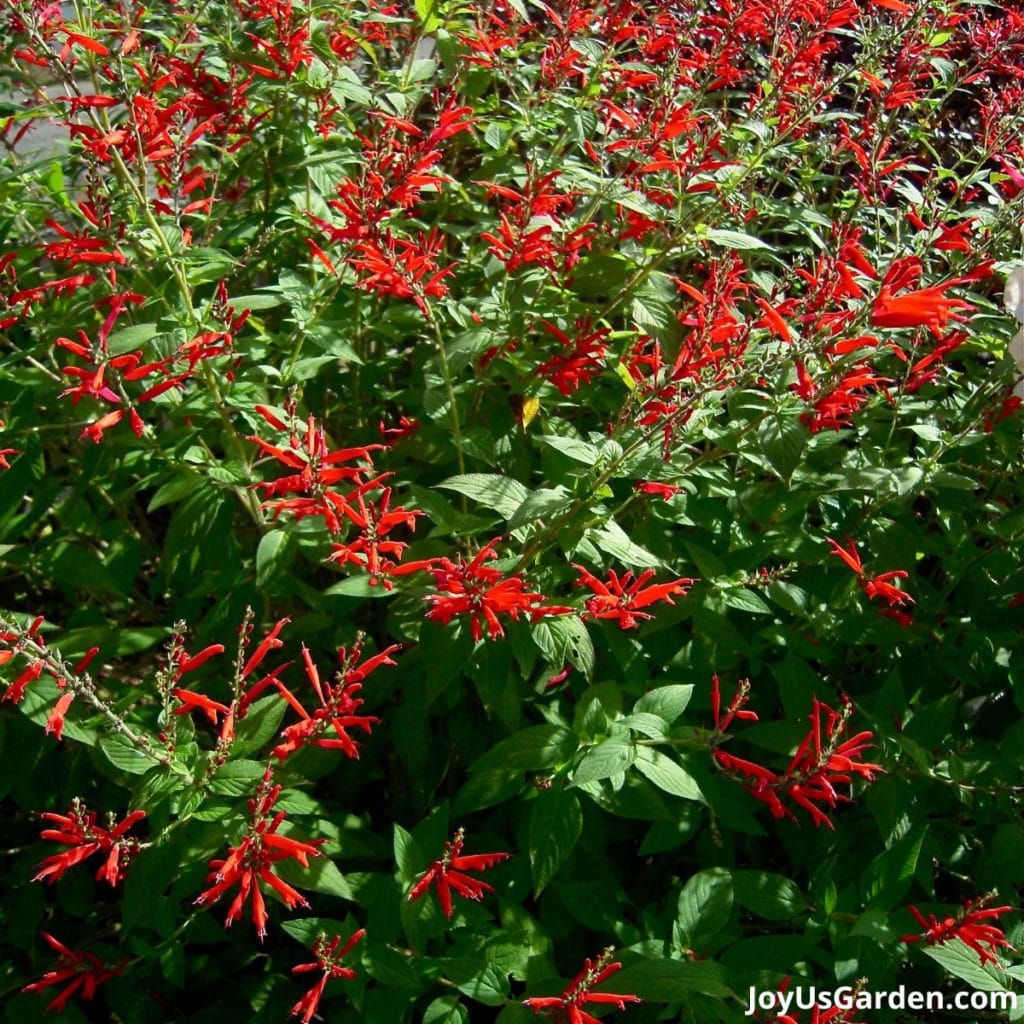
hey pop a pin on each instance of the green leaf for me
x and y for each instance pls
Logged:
(654, 310)
(255, 302)
(501, 493)
(121, 754)
(148, 876)
(516, 1013)
(357, 586)
(571, 447)
(237, 778)
(306, 929)
(180, 487)
(531, 749)
(887, 880)
(259, 725)
(651, 726)
(666, 774)
(426, 12)
(564, 639)
(613, 540)
(962, 962)
(667, 702)
(745, 600)
(129, 338)
(540, 503)
(670, 981)
(771, 896)
(476, 978)
(272, 556)
(608, 758)
(409, 858)
(322, 875)
(705, 905)
(446, 1010)
(556, 823)
(735, 239)
(782, 443)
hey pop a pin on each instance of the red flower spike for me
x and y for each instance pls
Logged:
(924, 307)
(316, 472)
(78, 830)
(971, 925)
(658, 490)
(876, 586)
(84, 972)
(824, 760)
(328, 959)
(339, 704)
(448, 873)
(368, 550)
(567, 1008)
(251, 862)
(484, 593)
(623, 598)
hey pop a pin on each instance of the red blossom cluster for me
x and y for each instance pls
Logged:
(327, 959)
(246, 688)
(339, 704)
(580, 359)
(316, 472)
(78, 830)
(250, 862)
(29, 643)
(713, 346)
(449, 873)
(364, 503)
(83, 971)
(530, 225)
(400, 163)
(822, 762)
(972, 925)
(920, 307)
(115, 379)
(880, 586)
(482, 592)
(338, 701)
(623, 598)
(568, 1007)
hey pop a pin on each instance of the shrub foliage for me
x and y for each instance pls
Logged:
(490, 488)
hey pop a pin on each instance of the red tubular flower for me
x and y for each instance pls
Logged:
(622, 598)
(16, 690)
(368, 549)
(580, 359)
(339, 704)
(4, 452)
(317, 471)
(971, 925)
(923, 307)
(251, 861)
(735, 709)
(328, 959)
(567, 1008)
(191, 701)
(484, 593)
(876, 586)
(78, 830)
(658, 490)
(823, 761)
(83, 971)
(448, 873)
